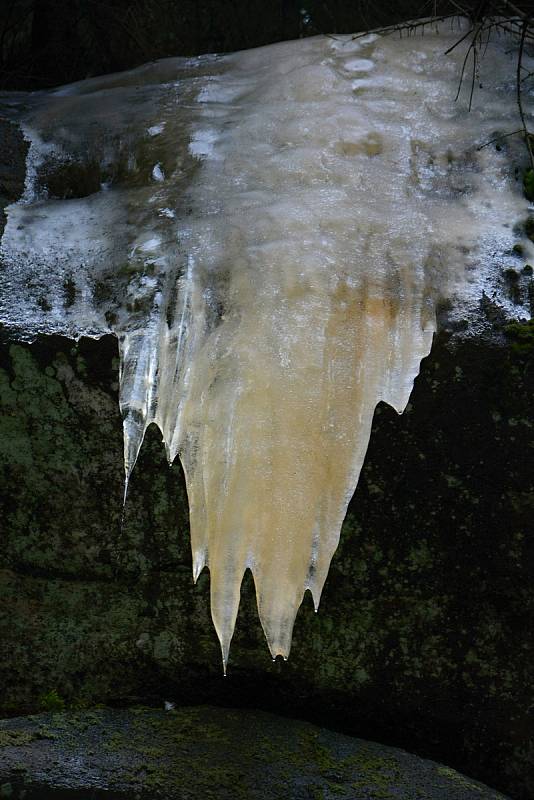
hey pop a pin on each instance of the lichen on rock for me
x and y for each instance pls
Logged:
(208, 752)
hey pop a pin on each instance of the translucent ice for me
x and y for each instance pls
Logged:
(267, 233)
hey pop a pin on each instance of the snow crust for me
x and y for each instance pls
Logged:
(268, 234)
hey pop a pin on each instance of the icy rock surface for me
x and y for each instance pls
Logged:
(268, 234)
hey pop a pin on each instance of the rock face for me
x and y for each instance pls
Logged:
(208, 752)
(423, 637)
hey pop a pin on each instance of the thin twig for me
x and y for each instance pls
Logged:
(518, 87)
(399, 27)
(515, 10)
(462, 72)
(455, 45)
(498, 138)
(474, 75)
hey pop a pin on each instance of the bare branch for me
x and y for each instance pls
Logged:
(403, 26)
(498, 138)
(487, 16)
(518, 87)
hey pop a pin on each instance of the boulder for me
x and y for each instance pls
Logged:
(206, 752)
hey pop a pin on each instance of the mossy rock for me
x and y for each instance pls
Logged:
(208, 753)
(521, 335)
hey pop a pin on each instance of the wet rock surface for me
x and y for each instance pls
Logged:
(209, 752)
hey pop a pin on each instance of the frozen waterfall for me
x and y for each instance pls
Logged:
(267, 233)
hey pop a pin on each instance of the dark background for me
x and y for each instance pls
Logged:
(50, 42)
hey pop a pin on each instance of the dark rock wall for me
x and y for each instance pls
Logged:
(424, 635)
(50, 42)
(13, 150)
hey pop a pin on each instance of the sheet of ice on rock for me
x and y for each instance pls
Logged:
(267, 233)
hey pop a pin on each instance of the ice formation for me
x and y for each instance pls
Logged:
(267, 233)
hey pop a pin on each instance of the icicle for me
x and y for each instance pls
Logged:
(271, 236)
